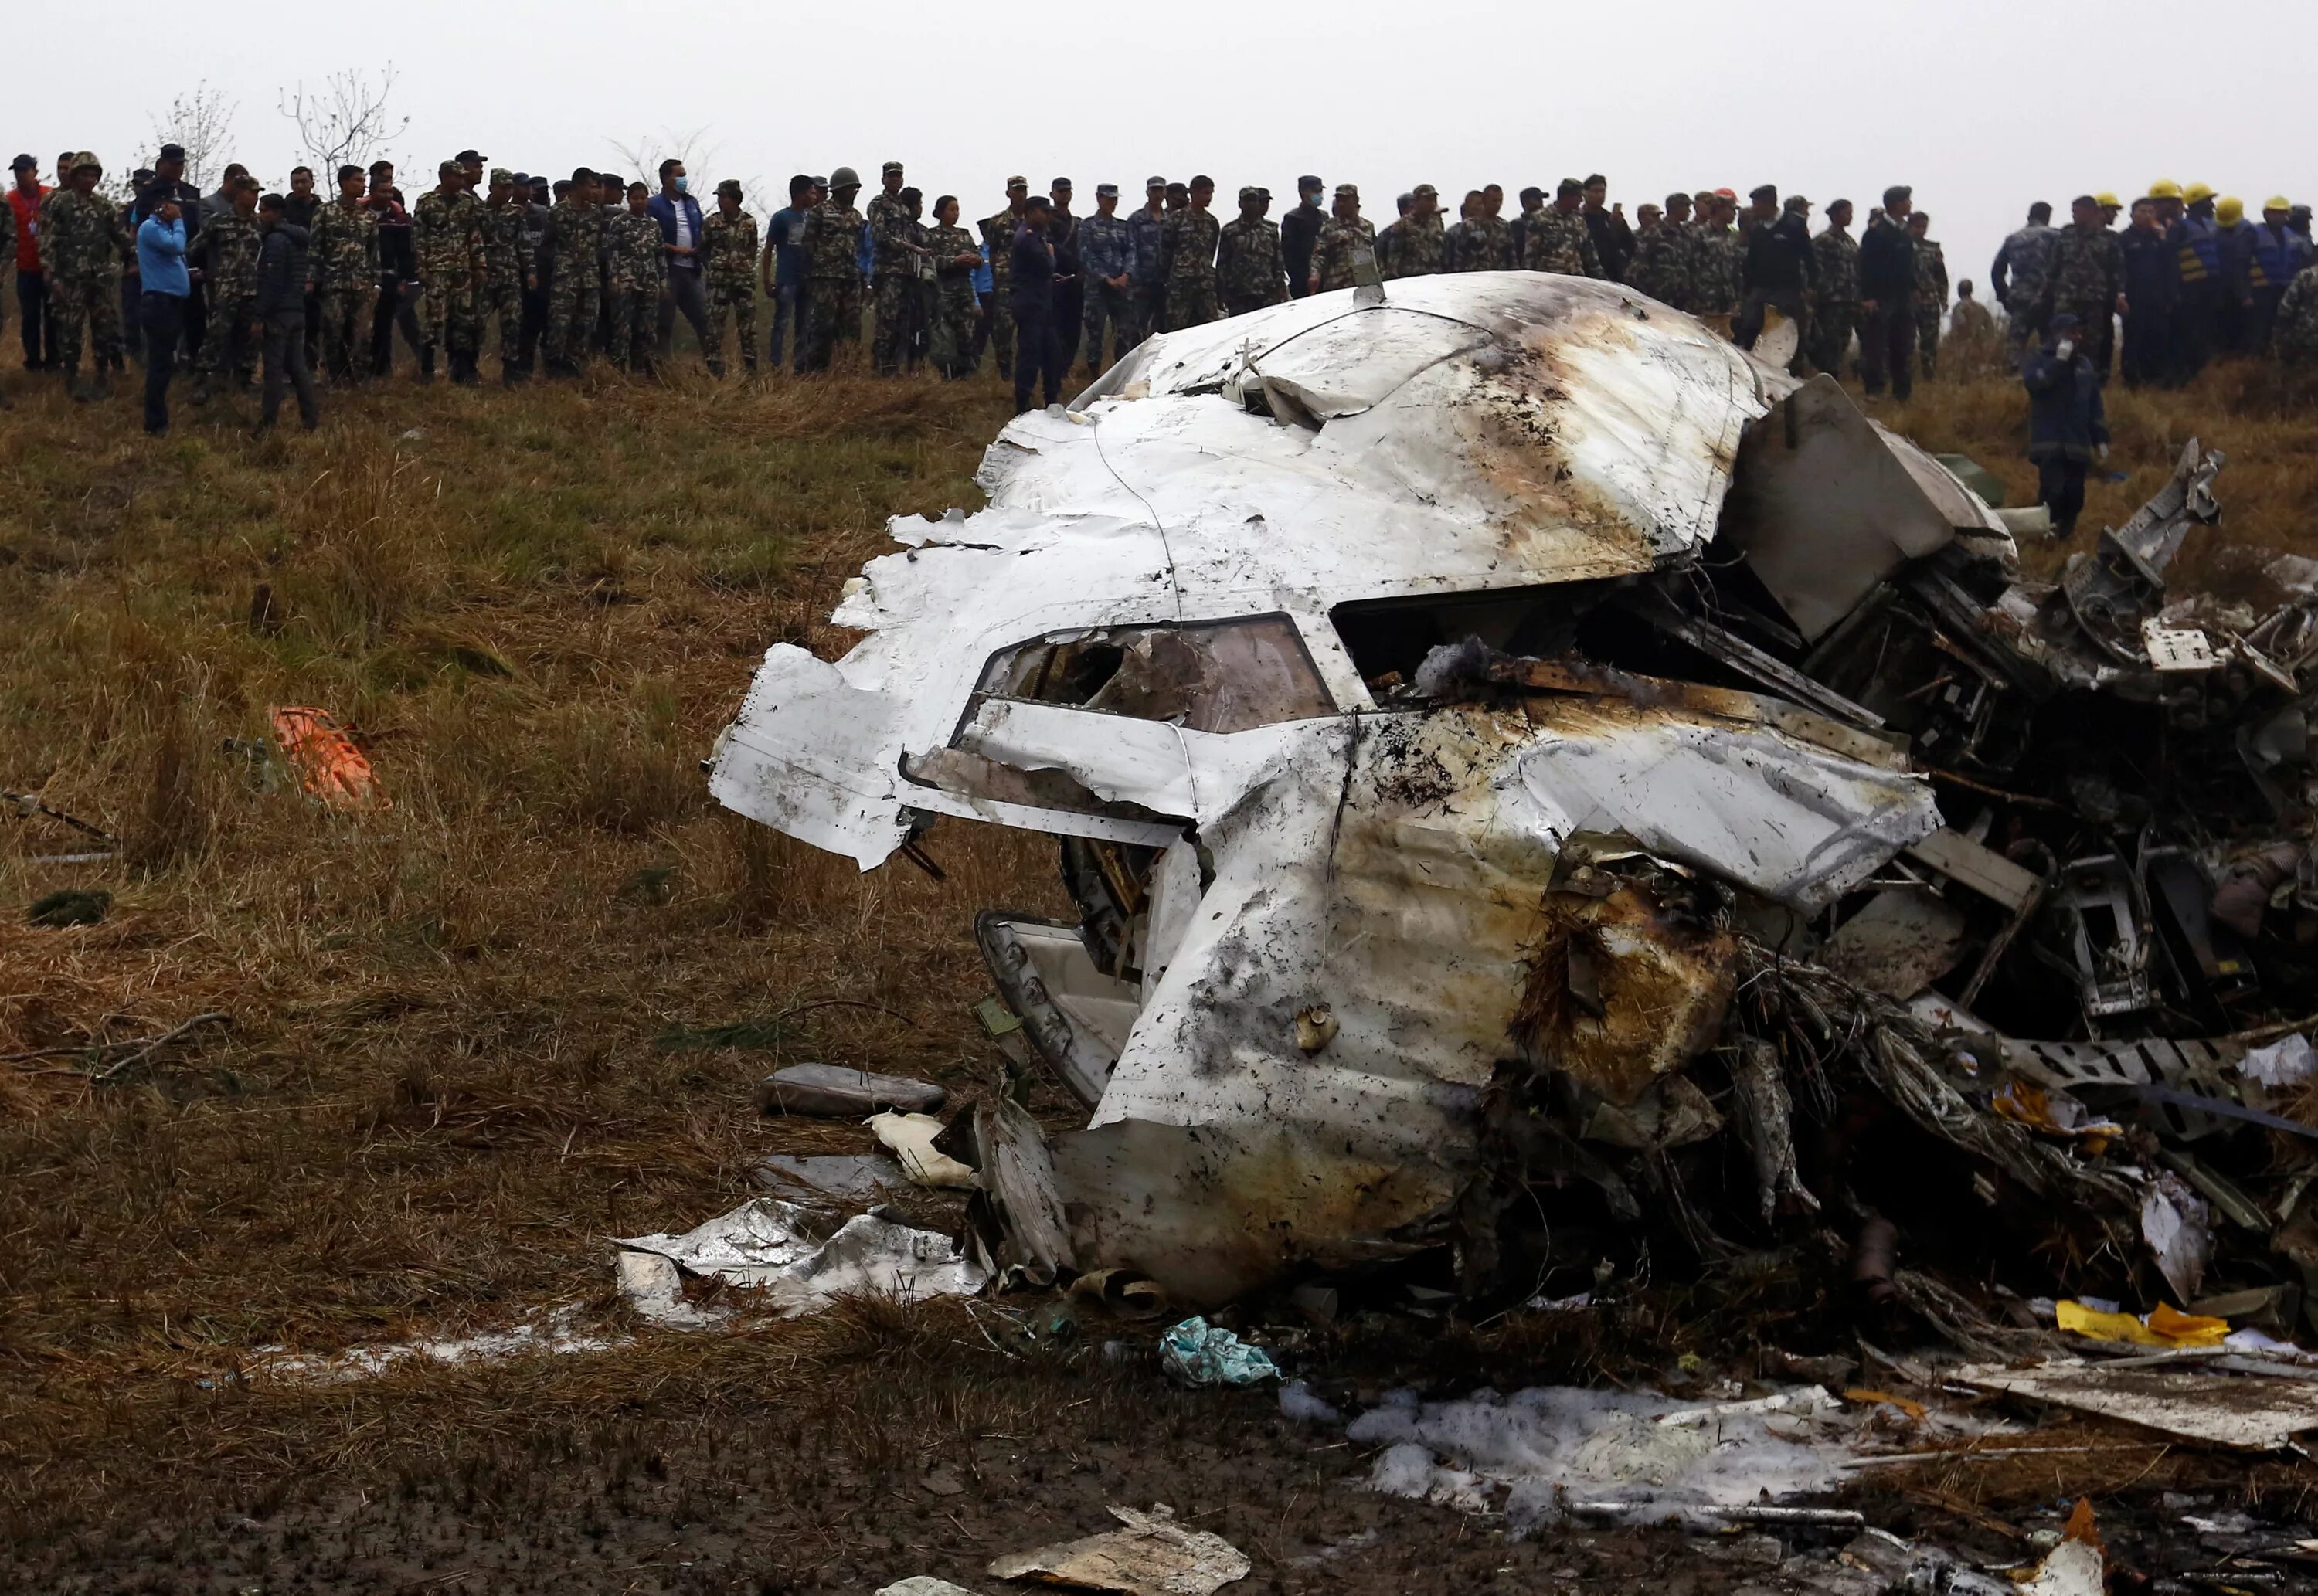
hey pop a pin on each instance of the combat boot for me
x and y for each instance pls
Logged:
(202, 392)
(426, 364)
(102, 390)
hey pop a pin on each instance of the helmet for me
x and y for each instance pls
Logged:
(2193, 193)
(2107, 201)
(844, 177)
(2230, 209)
(2165, 188)
(2278, 202)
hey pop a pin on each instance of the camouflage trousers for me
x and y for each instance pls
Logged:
(949, 341)
(1240, 304)
(1001, 331)
(896, 302)
(452, 318)
(738, 302)
(1831, 329)
(345, 328)
(90, 307)
(835, 319)
(1191, 303)
(506, 307)
(231, 323)
(571, 315)
(1928, 336)
(635, 319)
(1114, 306)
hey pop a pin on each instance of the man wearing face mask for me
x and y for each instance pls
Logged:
(2066, 426)
(680, 221)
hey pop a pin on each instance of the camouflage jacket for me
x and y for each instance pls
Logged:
(81, 235)
(1661, 265)
(448, 238)
(228, 248)
(1417, 247)
(1188, 245)
(998, 245)
(1106, 247)
(832, 242)
(638, 260)
(1486, 245)
(2294, 335)
(1248, 267)
(1715, 267)
(573, 233)
(503, 250)
(1333, 257)
(2085, 268)
(2023, 262)
(890, 236)
(342, 247)
(947, 244)
(1834, 260)
(1931, 278)
(1559, 240)
(727, 249)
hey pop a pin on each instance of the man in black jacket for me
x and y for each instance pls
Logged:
(1776, 273)
(1887, 299)
(281, 309)
(1300, 233)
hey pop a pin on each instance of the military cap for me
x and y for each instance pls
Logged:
(1763, 191)
(171, 152)
(1796, 203)
(1568, 185)
(844, 177)
(1018, 182)
(1248, 191)
(23, 163)
(501, 175)
(1106, 191)
(891, 166)
(1425, 191)
(1060, 183)
(85, 160)
(1151, 182)
(523, 180)
(1308, 183)
(731, 185)
(1345, 191)
(471, 157)
(141, 177)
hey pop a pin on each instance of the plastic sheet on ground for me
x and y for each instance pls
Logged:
(771, 1245)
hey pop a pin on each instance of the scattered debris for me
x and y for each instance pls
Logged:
(28, 804)
(855, 1175)
(1197, 1353)
(558, 1332)
(840, 1093)
(2248, 1408)
(329, 766)
(69, 906)
(773, 1247)
(103, 1060)
(1153, 1555)
(2076, 1567)
(922, 1584)
(910, 1137)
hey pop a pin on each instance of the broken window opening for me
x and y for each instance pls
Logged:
(1388, 638)
(1205, 676)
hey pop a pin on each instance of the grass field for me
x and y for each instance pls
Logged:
(457, 1054)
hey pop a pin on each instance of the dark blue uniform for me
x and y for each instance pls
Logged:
(1038, 351)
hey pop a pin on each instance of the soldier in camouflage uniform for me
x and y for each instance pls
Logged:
(573, 227)
(1557, 238)
(2017, 276)
(1487, 242)
(1835, 290)
(447, 237)
(998, 245)
(1249, 270)
(508, 269)
(2293, 333)
(833, 244)
(1662, 255)
(342, 252)
(950, 342)
(227, 253)
(80, 233)
(639, 268)
(1931, 289)
(1345, 232)
(2085, 276)
(1188, 248)
(728, 269)
(1420, 243)
(893, 271)
(1718, 264)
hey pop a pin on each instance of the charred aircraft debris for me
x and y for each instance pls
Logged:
(1540, 786)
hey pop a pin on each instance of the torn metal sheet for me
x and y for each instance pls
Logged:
(2250, 1412)
(1152, 1556)
(773, 1246)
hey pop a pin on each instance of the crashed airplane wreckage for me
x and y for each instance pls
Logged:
(1538, 782)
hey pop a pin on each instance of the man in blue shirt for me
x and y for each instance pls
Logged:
(164, 283)
(783, 274)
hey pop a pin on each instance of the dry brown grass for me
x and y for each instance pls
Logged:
(442, 1087)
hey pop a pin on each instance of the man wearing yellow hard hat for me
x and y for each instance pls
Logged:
(2197, 237)
(2275, 255)
(2111, 208)
(2234, 242)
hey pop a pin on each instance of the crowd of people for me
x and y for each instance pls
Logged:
(600, 266)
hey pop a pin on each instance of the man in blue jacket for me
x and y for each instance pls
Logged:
(1038, 351)
(163, 285)
(782, 275)
(679, 218)
(2066, 425)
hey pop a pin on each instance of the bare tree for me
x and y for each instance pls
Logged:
(642, 157)
(346, 121)
(201, 121)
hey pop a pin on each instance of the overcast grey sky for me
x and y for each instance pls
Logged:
(1982, 105)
